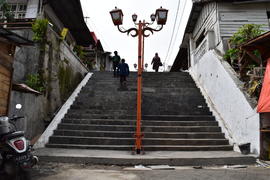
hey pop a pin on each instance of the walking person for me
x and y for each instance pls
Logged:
(123, 71)
(156, 62)
(116, 59)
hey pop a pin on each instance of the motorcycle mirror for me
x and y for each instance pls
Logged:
(18, 106)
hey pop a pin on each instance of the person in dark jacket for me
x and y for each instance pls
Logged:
(116, 59)
(156, 62)
(123, 71)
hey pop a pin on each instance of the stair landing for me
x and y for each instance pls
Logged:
(125, 158)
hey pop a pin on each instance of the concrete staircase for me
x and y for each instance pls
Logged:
(175, 116)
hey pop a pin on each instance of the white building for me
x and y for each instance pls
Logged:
(211, 24)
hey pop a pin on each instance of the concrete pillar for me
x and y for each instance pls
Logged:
(192, 48)
(210, 35)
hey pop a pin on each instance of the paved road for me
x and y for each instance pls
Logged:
(53, 171)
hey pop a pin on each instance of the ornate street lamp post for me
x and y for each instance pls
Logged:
(140, 30)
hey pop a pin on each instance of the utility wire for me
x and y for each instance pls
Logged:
(175, 20)
(178, 28)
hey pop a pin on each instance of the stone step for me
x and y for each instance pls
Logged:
(147, 78)
(78, 112)
(112, 104)
(152, 74)
(144, 117)
(127, 134)
(152, 85)
(145, 148)
(104, 147)
(162, 90)
(143, 122)
(144, 128)
(130, 141)
(80, 108)
(127, 158)
(181, 99)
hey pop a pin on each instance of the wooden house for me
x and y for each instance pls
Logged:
(213, 22)
(210, 25)
(8, 42)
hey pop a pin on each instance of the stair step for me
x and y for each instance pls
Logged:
(105, 147)
(130, 141)
(127, 134)
(145, 148)
(144, 117)
(144, 122)
(144, 128)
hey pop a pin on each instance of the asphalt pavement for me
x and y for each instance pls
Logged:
(65, 171)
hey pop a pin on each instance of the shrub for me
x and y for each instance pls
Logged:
(245, 33)
(34, 81)
(40, 28)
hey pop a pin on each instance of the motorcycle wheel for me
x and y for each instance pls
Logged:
(14, 172)
(23, 175)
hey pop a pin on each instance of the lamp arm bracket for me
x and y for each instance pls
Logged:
(151, 30)
(132, 31)
(148, 24)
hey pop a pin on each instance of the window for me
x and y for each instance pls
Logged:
(200, 39)
(22, 7)
(19, 10)
(268, 17)
(13, 7)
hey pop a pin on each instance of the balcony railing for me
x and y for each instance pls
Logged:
(200, 51)
(25, 23)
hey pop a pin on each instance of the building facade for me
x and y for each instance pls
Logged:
(210, 25)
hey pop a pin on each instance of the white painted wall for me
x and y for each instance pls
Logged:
(44, 138)
(73, 59)
(239, 121)
(32, 9)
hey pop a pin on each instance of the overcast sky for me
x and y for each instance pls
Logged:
(100, 22)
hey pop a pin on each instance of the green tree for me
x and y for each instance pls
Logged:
(9, 16)
(40, 28)
(245, 33)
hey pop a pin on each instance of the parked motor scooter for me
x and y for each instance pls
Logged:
(15, 150)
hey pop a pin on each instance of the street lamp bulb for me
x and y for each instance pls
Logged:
(153, 17)
(134, 17)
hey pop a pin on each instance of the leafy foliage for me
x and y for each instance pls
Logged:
(40, 28)
(245, 33)
(7, 13)
(232, 55)
(34, 81)
(79, 51)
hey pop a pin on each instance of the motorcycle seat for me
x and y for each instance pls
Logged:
(14, 135)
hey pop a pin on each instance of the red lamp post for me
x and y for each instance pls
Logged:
(140, 30)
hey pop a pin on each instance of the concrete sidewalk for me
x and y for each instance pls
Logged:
(66, 171)
(124, 158)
